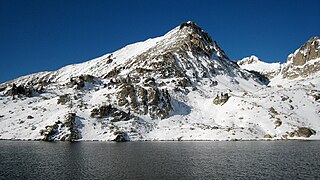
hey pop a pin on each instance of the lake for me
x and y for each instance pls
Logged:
(160, 160)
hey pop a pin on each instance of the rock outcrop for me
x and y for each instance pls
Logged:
(121, 137)
(64, 131)
(307, 52)
(221, 99)
(302, 132)
(304, 61)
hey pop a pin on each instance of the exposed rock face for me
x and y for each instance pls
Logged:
(263, 77)
(21, 90)
(316, 95)
(82, 81)
(110, 113)
(303, 132)
(149, 99)
(64, 131)
(63, 99)
(304, 61)
(50, 132)
(308, 51)
(121, 137)
(72, 126)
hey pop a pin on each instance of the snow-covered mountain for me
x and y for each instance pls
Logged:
(304, 62)
(253, 63)
(181, 86)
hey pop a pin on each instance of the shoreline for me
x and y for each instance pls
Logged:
(196, 140)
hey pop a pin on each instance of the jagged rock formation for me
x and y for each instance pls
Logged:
(307, 52)
(304, 61)
(166, 88)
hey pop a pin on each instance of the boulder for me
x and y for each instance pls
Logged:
(121, 137)
(50, 132)
(63, 99)
(267, 136)
(79, 82)
(305, 132)
(278, 123)
(221, 99)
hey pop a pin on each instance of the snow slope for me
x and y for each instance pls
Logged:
(253, 63)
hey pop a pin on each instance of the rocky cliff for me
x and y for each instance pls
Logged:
(304, 61)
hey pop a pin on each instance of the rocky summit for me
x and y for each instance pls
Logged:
(304, 61)
(180, 86)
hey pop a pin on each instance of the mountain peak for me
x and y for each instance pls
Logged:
(254, 64)
(308, 51)
(249, 60)
(190, 25)
(304, 61)
(314, 38)
(200, 38)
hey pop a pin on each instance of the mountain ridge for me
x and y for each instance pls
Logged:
(302, 63)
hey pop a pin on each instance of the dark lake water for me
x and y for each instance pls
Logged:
(160, 160)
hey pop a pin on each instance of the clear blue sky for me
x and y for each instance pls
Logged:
(40, 35)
